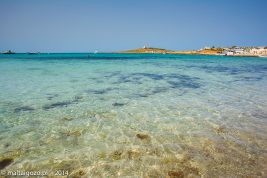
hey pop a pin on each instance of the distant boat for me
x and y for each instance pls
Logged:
(96, 51)
(31, 53)
(9, 52)
(262, 56)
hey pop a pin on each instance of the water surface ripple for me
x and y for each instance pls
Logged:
(118, 115)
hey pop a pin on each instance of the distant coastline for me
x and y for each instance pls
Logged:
(218, 51)
(225, 51)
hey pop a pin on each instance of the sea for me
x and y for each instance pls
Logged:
(133, 115)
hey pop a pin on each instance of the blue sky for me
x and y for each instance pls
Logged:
(111, 25)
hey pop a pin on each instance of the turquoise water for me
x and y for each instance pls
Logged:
(119, 115)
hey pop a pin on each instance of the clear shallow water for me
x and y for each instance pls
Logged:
(111, 115)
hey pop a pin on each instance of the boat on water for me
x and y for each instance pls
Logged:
(262, 56)
(9, 52)
(32, 53)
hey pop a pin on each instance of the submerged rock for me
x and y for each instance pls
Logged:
(133, 154)
(23, 109)
(74, 133)
(176, 174)
(7, 145)
(68, 118)
(220, 130)
(117, 104)
(116, 155)
(5, 162)
(143, 136)
(57, 104)
(78, 98)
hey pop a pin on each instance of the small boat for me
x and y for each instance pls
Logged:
(262, 56)
(31, 53)
(9, 52)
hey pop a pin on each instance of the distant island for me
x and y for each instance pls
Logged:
(258, 51)
(227, 51)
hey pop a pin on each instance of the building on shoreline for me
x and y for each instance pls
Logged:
(245, 51)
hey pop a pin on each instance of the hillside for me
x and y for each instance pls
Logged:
(211, 51)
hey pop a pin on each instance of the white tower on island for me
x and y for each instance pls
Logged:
(145, 46)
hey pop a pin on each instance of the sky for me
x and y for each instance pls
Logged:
(113, 25)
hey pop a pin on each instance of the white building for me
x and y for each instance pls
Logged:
(228, 52)
(238, 51)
